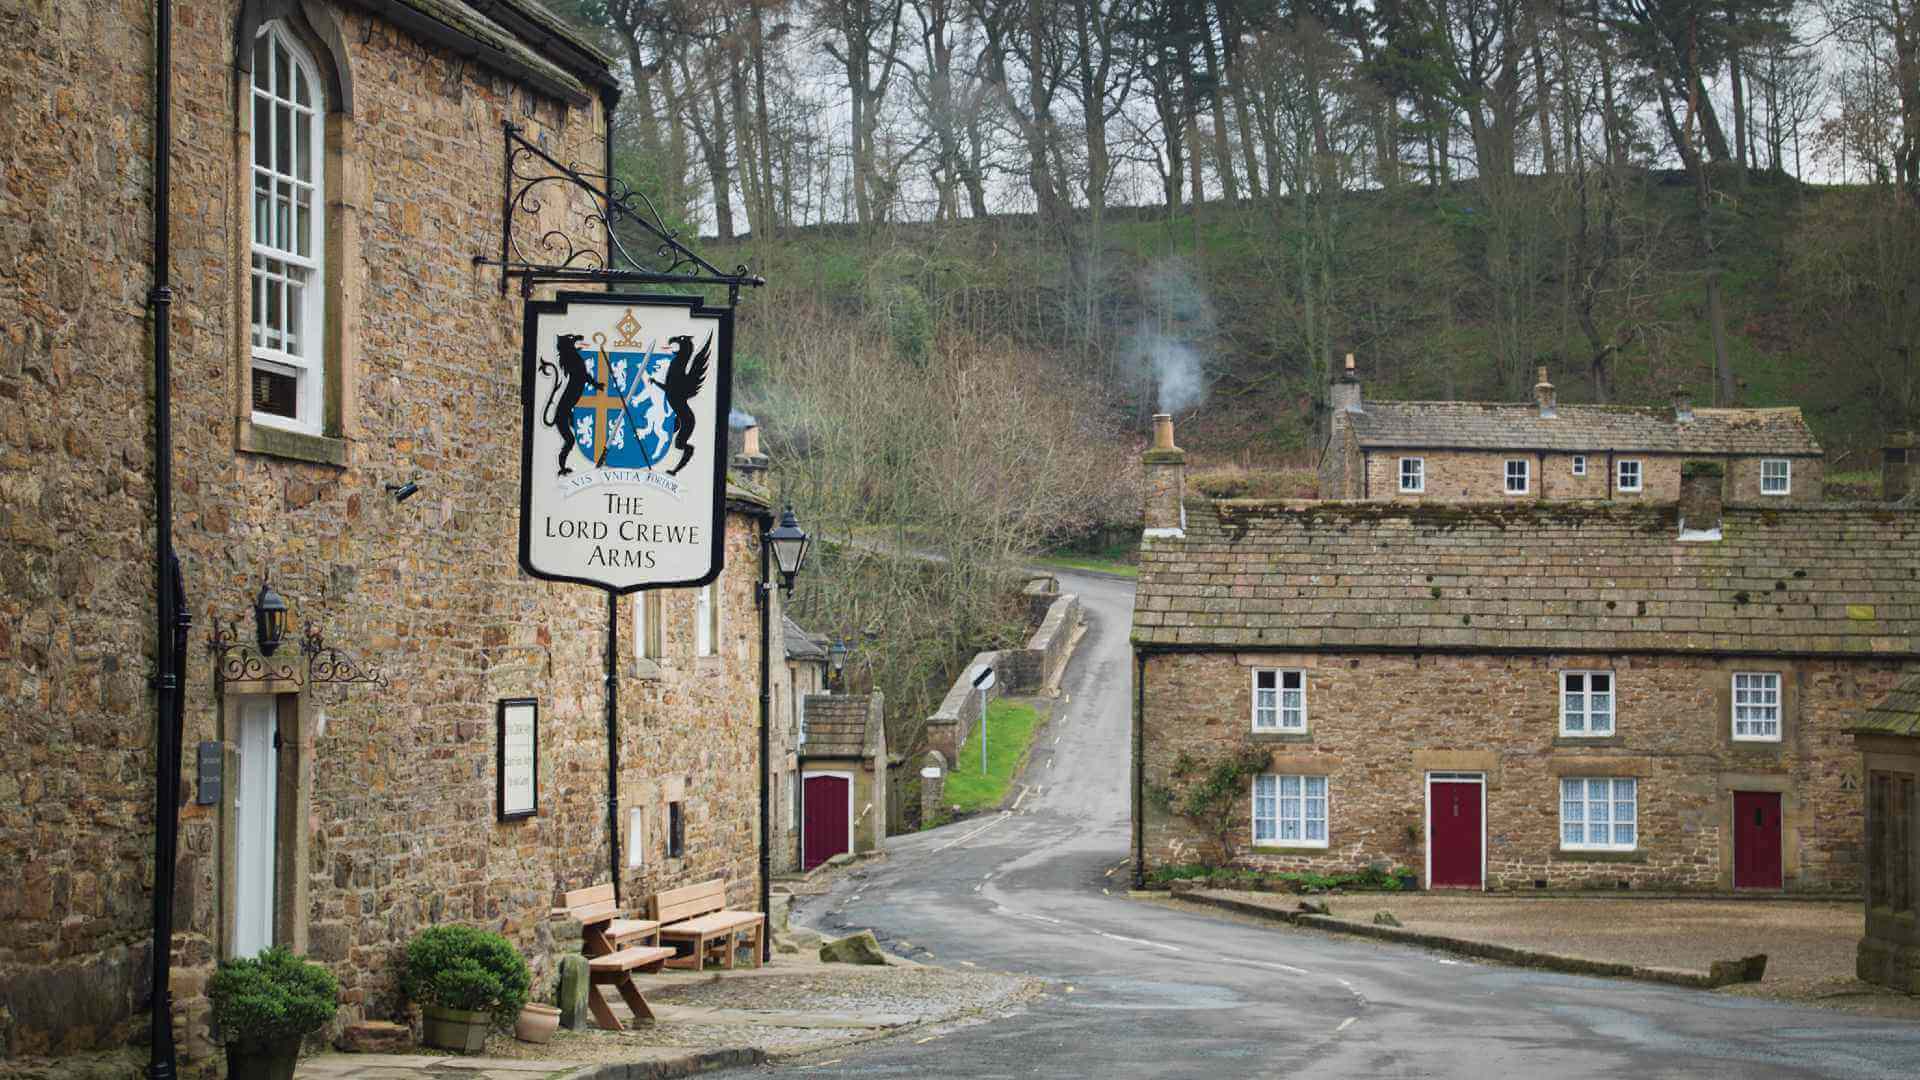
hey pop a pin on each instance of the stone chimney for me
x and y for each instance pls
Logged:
(1702, 491)
(1166, 468)
(1543, 394)
(1344, 394)
(1682, 405)
(1899, 467)
(750, 464)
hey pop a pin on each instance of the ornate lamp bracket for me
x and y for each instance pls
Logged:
(602, 244)
(236, 659)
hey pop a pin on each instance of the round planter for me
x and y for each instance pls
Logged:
(464, 1030)
(263, 1061)
(536, 1023)
(1409, 882)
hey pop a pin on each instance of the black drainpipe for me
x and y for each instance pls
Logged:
(765, 586)
(1139, 770)
(171, 615)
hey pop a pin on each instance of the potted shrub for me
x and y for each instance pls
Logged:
(264, 1005)
(465, 981)
(1409, 878)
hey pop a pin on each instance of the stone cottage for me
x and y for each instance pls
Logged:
(843, 776)
(1475, 451)
(1498, 696)
(345, 414)
(1889, 738)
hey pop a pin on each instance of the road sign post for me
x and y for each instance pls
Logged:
(983, 682)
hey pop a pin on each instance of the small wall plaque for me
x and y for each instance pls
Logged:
(206, 788)
(517, 758)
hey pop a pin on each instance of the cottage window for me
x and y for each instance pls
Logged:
(1599, 814)
(1279, 700)
(1579, 464)
(286, 384)
(1517, 476)
(647, 629)
(1776, 476)
(1413, 474)
(1628, 476)
(1586, 703)
(1290, 810)
(706, 621)
(1756, 706)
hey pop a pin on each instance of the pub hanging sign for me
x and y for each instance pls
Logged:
(623, 440)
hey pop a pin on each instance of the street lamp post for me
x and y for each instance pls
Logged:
(785, 544)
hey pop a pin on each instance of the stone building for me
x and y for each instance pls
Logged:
(843, 773)
(1473, 451)
(1519, 696)
(1889, 739)
(802, 676)
(336, 169)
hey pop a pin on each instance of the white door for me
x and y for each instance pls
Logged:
(255, 806)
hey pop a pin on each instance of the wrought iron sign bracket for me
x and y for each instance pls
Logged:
(546, 252)
(239, 660)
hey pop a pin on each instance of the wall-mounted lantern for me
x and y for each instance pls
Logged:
(269, 619)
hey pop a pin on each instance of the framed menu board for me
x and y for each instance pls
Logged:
(517, 758)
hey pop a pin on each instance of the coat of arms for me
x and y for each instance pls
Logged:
(628, 403)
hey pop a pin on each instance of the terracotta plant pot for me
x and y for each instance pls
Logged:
(464, 1030)
(262, 1061)
(536, 1023)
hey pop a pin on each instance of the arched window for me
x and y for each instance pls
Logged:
(287, 383)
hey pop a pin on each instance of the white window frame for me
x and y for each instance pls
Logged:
(1620, 474)
(1610, 804)
(1303, 821)
(1762, 700)
(307, 362)
(1526, 476)
(1418, 474)
(1579, 464)
(649, 636)
(1280, 715)
(1786, 476)
(1585, 713)
(706, 620)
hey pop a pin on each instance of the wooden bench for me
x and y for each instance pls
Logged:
(616, 947)
(697, 916)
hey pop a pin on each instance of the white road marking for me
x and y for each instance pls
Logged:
(1288, 968)
(1344, 1024)
(968, 963)
(1056, 740)
(971, 835)
(1138, 941)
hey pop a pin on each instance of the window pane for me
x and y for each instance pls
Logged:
(1316, 787)
(1623, 835)
(296, 301)
(275, 392)
(262, 63)
(1572, 834)
(300, 91)
(282, 66)
(1264, 679)
(1597, 789)
(1601, 682)
(262, 130)
(1290, 787)
(1573, 811)
(282, 139)
(1290, 680)
(303, 148)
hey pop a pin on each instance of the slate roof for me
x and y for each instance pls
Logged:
(1816, 579)
(836, 726)
(1500, 426)
(800, 644)
(1897, 714)
(509, 52)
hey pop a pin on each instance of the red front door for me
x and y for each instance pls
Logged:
(825, 831)
(1756, 840)
(1453, 809)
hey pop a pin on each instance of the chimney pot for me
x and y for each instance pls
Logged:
(749, 463)
(1166, 475)
(1682, 404)
(1702, 496)
(1543, 394)
(1900, 466)
(1349, 363)
(750, 441)
(1344, 394)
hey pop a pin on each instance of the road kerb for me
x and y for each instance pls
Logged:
(1483, 950)
(666, 1068)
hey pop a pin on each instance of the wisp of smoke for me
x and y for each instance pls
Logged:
(1166, 345)
(738, 419)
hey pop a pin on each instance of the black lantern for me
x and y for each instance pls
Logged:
(837, 661)
(269, 619)
(790, 545)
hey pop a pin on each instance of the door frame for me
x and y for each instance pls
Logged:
(1452, 777)
(1733, 817)
(807, 775)
(292, 811)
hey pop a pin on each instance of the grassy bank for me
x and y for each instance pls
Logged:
(1009, 731)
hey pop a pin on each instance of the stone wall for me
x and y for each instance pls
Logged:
(398, 784)
(1378, 723)
(1480, 476)
(948, 727)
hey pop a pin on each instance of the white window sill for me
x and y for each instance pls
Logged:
(1290, 845)
(1566, 734)
(1757, 738)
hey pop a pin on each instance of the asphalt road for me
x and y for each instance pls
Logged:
(1144, 990)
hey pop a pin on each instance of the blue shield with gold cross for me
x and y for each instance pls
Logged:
(626, 423)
